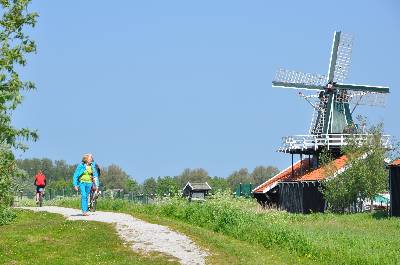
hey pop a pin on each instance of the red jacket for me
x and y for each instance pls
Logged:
(40, 179)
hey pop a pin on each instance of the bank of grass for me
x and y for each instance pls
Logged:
(223, 249)
(44, 238)
(291, 238)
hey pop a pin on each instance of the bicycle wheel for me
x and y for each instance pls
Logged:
(94, 203)
(40, 199)
(90, 201)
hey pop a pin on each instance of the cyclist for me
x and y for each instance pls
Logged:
(40, 183)
(85, 175)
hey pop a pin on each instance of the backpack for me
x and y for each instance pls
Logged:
(98, 170)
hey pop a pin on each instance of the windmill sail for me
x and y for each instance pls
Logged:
(340, 61)
(298, 80)
(332, 112)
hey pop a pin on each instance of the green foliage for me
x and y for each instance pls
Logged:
(239, 176)
(58, 173)
(261, 174)
(114, 177)
(365, 175)
(192, 175)
(150, 186)
(6, 171)
(132, 186)
(166, 185)
(14, 45)
(59, 176)
(6, 215)
(218, 184)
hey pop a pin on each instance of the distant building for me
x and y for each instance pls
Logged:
(196, 191)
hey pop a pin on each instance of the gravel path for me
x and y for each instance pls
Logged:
(142, 236)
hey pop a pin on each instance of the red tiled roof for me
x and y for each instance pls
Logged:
(395, 163)
(301, 172)
(283, 175)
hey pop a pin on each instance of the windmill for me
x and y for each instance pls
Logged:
(334, 101)
(298, 187)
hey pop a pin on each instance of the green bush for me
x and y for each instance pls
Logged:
(6, 215)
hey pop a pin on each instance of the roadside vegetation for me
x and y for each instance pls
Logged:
(44, 238)
(328, 238)
(59, 176)
(366, 174)
(16, 44)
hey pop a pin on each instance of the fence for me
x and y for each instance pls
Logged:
(70, 192)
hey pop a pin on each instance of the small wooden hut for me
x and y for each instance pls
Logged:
(196, 191)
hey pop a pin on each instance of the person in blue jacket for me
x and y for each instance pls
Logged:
(85, 175)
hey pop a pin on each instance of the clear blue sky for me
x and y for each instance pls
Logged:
(159, 86)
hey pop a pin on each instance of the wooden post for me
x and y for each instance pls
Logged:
(292, 167)
(301, 164)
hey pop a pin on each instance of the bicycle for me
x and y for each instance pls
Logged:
(41, 196)
(93, 200)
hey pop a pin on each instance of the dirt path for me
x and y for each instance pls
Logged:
(142, 236)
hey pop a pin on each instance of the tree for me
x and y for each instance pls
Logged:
(14, 45)
(113, 177)
(132, 186)
(240, 176)
(218, 184)
(150, 186)
(166, 185)
(261, 174)
(365, 175)
(192, 175)
(63, 171)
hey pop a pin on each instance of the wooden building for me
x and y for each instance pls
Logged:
(196, 191)
(297, 188)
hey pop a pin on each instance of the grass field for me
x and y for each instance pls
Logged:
(224, 249)
(44, 238)
(238, 232)
(274, 236)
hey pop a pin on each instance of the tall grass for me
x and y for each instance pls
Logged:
(324, 238)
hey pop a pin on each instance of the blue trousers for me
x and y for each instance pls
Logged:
(85, 190)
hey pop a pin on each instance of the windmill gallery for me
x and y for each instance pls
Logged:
(297, 188)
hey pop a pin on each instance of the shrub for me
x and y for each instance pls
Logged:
(6, 215)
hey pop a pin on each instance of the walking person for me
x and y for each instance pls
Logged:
(85, 174)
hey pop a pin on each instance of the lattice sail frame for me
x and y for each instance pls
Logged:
(354, 98)
(343, 59)
(296, 77)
